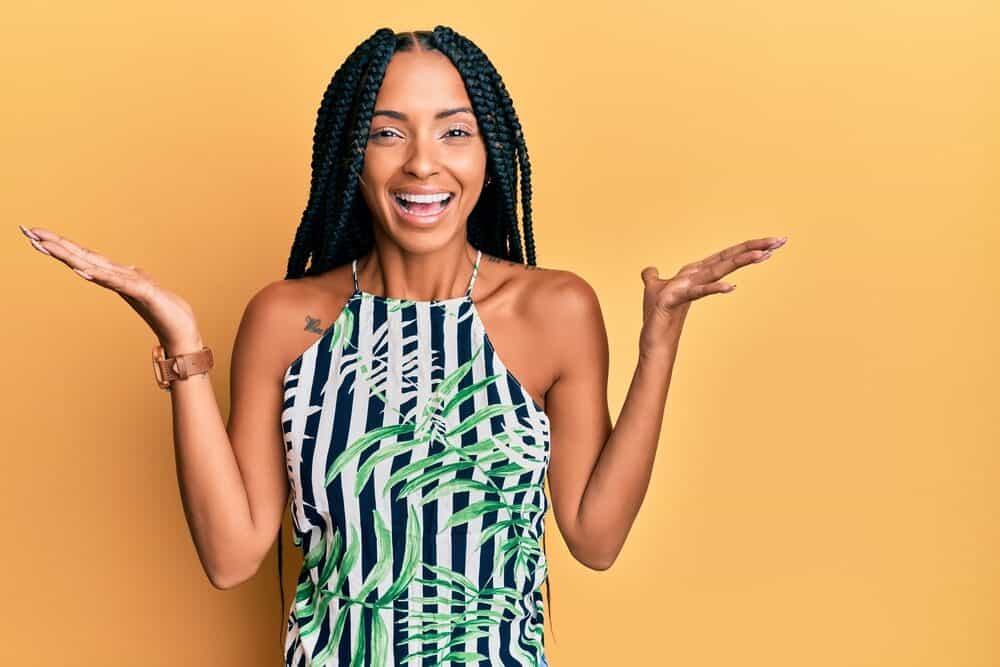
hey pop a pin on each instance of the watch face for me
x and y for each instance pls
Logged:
(157, 369)
(158, 372)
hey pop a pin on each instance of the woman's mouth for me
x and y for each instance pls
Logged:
(422, 208)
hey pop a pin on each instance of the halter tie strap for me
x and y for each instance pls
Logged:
(475, 271)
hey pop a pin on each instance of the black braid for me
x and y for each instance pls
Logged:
(336, 225)
(525, 167)
(327, 141)
(487, 77)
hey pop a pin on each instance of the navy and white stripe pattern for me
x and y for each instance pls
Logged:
(417, 464)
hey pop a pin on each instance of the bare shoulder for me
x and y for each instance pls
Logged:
(254, 350)
(566, 294)
(558, 306)
(550, 294)
(284, 317)
(565, 307)
(542, 288)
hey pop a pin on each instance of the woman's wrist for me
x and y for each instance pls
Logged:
(185, 345)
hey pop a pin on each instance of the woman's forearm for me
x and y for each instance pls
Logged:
(622, 473)
(212, 489)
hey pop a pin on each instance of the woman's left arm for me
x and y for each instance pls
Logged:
(599, 475)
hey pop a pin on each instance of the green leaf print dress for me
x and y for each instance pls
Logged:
(417, 464)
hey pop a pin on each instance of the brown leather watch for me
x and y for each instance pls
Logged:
(181, 366)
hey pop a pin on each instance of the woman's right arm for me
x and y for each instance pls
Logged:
(232, 479)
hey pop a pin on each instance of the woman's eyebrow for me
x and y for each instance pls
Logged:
(398, 115)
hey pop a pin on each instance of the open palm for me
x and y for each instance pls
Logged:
(665, 302)
(168, 315)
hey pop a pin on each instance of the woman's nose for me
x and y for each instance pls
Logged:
(422, 160)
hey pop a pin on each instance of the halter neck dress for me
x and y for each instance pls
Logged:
(416, 463)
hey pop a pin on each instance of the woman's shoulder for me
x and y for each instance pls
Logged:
(314, 291)
(291, 313)
(557, 306)
(547, 291)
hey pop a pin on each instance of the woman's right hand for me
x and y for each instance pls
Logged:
(169, 316)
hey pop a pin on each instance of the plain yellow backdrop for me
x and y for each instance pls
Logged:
(825, 489)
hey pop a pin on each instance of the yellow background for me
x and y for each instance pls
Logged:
(825, 490)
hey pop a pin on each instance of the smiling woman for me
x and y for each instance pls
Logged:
(416, 460)
(415, 457)
(437, 127)
(422, 80)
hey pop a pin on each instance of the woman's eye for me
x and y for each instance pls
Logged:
(453, 133)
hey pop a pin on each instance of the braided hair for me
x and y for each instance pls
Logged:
(337, 227)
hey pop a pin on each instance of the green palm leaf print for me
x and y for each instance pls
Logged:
(343, 329)
(453, 611)
(463, 394)
(359, 645)
(333, 645)
(323, 593)
(319, 608)
(369, 439)
(384, 563)
(411, 559)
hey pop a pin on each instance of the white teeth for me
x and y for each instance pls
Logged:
(423, 199)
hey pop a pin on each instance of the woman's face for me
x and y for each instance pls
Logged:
(424, 143)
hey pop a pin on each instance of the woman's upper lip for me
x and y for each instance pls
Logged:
(420, 191)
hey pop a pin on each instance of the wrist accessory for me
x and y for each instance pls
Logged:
(179, 367)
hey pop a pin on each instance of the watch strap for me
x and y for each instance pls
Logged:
(181, 366)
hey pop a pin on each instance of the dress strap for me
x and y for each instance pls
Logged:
(475, 271)
(354, 272)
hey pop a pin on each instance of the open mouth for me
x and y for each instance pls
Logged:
(423, 205)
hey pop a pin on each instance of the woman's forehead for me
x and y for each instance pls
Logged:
(421, 82)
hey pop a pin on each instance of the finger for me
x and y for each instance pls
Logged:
(30, 234)
(712, 272)
(765, 243)
(738, 249)
(85, 254)
(697, 291)
(648, 274)
(131, 282)
(129, 286)
(56, 249)
(726, 266)
(112, 277)
(77, 261)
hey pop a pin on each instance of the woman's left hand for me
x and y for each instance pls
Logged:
(665, 302)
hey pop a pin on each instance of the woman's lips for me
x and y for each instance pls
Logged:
(421, 218)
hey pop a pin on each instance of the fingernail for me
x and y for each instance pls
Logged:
(30, 234)
(84, 274)
(40, 247)
(763, 257)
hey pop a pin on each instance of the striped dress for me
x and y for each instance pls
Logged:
(416, 462)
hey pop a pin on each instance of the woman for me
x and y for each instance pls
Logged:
(414, 456)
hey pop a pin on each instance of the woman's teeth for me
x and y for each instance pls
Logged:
(423, 204)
